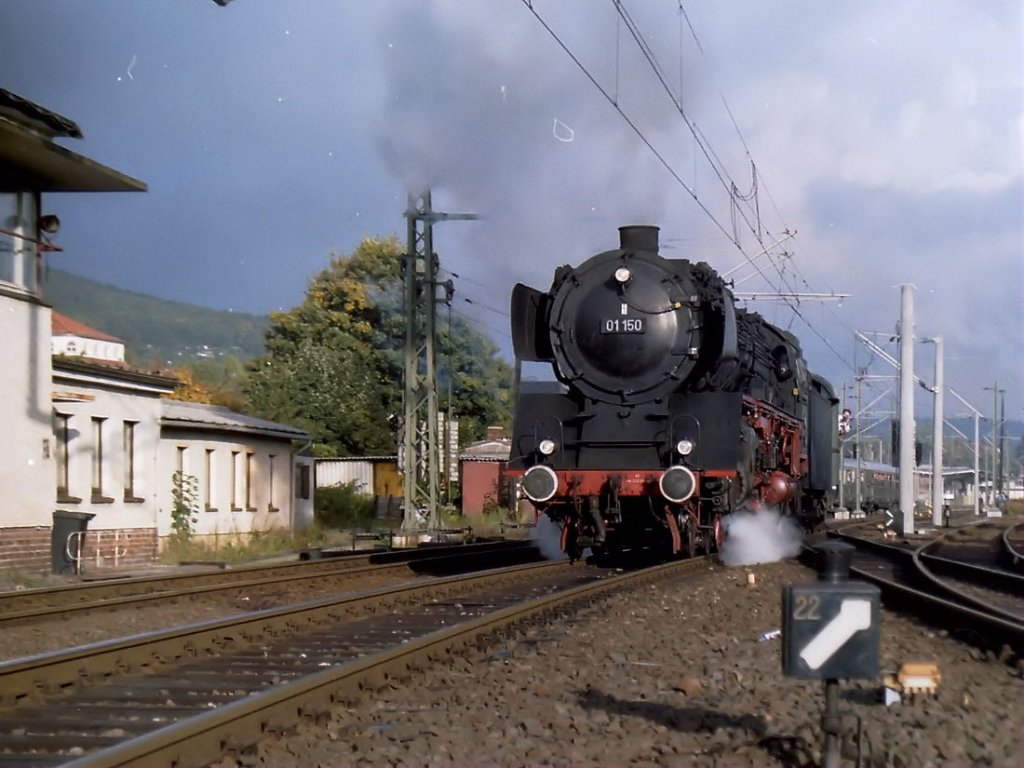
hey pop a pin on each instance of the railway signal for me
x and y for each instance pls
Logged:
(831, 631)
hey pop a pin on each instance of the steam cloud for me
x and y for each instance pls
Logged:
(546, 537)
(765, 536)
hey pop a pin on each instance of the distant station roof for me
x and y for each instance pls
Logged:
(30, 161)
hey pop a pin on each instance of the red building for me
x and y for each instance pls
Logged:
(482, 474)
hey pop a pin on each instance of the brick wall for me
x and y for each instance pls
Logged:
(119, 548)
(25, 550)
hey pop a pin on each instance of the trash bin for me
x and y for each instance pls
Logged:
(65, 524)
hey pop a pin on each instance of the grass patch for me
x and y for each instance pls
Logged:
(233, 549)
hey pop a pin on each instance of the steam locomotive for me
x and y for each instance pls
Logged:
(672, 409)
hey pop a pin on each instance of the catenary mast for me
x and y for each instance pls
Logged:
(420, 445)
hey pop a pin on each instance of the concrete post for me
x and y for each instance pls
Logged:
(907, 427)
(938, 486)
(977, 470)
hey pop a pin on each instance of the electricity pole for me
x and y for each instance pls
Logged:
(996, 391)
(420, 460)
(907, 430)
(938, 483)
(856, 444)
(1002, 437)
(976, 413)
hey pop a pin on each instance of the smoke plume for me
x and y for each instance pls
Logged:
(764, 536)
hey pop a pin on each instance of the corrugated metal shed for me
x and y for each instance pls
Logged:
(340, 472)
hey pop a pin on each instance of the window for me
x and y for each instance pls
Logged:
(208, 489)
(98, 460)
(236, 473)
(62, 433)
(271, 507)
(250, 461)
(129, 462)
(302, 481)
(18, 215)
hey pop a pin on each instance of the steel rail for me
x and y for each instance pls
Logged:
(983, 575)
(969, 611)
(91, 597)
(1012, 536)
(23, 680)
(206, 737)
(94, 591)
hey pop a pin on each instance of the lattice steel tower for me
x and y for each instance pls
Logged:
(420, 444)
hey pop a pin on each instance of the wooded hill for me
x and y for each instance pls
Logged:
(156, 332)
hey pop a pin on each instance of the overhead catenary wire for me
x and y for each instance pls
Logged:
(668, 167)
(629, 121)
(725, 179)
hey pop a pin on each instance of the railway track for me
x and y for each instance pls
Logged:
(1013, 546)
(189, 695)
(975, 601)
(91, 597)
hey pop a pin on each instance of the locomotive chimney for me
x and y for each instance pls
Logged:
(638, 237)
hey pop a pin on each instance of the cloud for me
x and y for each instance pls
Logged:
(887, 133)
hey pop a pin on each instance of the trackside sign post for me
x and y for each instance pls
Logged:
(831, 631)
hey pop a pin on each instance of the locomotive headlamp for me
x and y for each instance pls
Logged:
(623, 275)
(546, 446)
(677, 484)
(684, 447)
(540, 483)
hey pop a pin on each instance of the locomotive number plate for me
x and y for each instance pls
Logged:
(622, 325)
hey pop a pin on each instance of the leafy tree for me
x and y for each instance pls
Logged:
(481, 382)
(219, 381)
(334, 364)
(189, 388)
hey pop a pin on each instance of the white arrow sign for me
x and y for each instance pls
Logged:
(854, 615)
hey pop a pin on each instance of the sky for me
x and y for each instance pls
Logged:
(886, 134)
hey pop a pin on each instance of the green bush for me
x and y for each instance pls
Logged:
(343, 506)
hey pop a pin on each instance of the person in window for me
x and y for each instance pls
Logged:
(844, 422)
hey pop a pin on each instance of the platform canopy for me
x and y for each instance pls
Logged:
(30, 160)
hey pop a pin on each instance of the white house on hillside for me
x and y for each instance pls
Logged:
(71, 338)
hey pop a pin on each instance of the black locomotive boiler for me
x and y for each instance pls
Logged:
(673, 406)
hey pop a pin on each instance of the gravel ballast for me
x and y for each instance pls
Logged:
(671, 674)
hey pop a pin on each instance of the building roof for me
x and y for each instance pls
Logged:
(85, 370)
(487, 450)
(216, 418)
(62, 325)
(30, 161)
(353, 459)
(40, 119)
